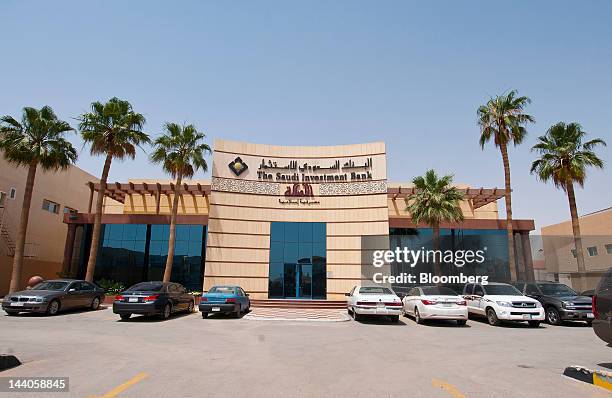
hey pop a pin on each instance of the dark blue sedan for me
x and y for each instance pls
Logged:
(225, 300)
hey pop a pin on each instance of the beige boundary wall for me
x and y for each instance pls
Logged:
(242, 207)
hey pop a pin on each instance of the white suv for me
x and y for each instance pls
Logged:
(502, 302)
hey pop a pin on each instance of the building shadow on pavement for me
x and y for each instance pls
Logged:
(59, 314)
(508, 325)
(438, 323)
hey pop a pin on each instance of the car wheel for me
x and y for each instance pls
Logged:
(417, 316)
(461, 322)
(190, 308)
(166, 312)
(356, 316)
(492, 317)
(236, 314)
(552, 316)
(125, 316)
(95, 303)
(533, 324)
(11, 313)
(204, 315)
(53, 307)
(395, 318)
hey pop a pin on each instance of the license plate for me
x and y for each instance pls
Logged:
(17, 304)
(447, 305)
(215, 309)
(590, 316)
(526, 316)
(380, 305)
(133, 300)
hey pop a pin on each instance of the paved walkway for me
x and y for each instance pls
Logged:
(297, 314)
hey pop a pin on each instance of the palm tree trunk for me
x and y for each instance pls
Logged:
(22, 229)
(436, 246)
(95, 236)
(172, 237)
(508, 196)
(571, 197)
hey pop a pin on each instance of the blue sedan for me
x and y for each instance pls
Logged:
(225, 300)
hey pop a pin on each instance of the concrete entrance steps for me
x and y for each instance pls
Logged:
(295, 304)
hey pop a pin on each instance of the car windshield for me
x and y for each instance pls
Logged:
(374, 290)
(51, 285)
(147, 287)
(437, 291)
(556, 289)
(222, 290)
(502, 290)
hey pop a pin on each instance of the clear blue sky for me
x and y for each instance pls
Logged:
(326, 72)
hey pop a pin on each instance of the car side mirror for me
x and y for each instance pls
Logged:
(246, 294)
(72, 290)
(347, 294)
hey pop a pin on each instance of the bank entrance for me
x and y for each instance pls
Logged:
(298, 268)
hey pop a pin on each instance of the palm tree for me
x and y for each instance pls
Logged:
(181, 152)
(435, 201)
(502, 118)
(114, 130)
(37, 140)
(564, 158)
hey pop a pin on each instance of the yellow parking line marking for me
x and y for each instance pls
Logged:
(452, 390)
(122, 387)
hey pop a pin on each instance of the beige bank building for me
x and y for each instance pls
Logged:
(283, 222)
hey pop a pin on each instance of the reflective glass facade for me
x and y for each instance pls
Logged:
(493, 241)
(297, 260)
(132, 253)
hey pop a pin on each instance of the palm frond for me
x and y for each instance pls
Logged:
(564, 158)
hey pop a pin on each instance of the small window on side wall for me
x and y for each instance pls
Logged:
(50, 206)
(609, 249)
(69, 210)
(574, 253)
(592, 251)
(12, 193)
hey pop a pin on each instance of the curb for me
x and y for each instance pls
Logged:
(8, 361)
(263, 318)
(595, 377)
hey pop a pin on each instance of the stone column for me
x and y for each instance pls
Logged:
(528, 258)
(68, 249)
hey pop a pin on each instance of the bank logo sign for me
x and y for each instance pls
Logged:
(237, 166)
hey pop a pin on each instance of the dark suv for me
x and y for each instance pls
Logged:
(560, 302)
(602, 308)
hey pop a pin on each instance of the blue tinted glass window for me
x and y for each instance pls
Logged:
(276, 251)
(290, 252)
(127, 257)
(305, 232)
(305, 252)
(277, 232)
(195, 233)
(129, 232)
(297, 260)
(291, 232)
(157, 232)
(181, 248)
(115, 231)
(182, 232)
(319, 232)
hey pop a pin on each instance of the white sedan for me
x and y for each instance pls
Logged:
(374, 300)
(435, 302)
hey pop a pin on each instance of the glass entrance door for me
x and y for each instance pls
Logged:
(298, 281)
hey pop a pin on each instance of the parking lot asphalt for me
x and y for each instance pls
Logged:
(187, 356)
